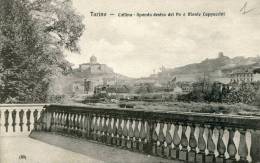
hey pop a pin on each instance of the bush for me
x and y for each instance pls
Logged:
(56, 99)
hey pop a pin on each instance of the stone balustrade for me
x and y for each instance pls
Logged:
(191, 137)
(19, 119)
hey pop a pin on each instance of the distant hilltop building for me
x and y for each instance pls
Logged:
(84, 79)
(93, 67)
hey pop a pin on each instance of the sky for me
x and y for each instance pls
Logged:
(135, 46)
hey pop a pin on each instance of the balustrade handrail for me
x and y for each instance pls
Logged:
(227, 120)
(19, 119)
(187, 136)
(22, 105)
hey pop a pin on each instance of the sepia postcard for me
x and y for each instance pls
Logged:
(133, 81)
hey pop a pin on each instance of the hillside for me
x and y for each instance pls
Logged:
(216, 67)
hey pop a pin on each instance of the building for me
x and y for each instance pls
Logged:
(242, 77)
(185, 86)
(88, 76)
(93, 67)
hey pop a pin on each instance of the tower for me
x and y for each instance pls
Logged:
(93, 59)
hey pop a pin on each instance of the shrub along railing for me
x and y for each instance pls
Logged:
(191, 137)
(19, 119)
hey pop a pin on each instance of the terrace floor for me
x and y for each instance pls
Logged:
(50, 148)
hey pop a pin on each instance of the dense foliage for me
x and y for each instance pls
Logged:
(33, 36)
(216, 108)
(241, 93)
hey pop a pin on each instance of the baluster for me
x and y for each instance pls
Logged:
(91, 126)
(143, 135)
(225, 140)
(81, 130)
(109, 131)
(242, 148)
(187, 133)
(46, 121)
(119, 132)
(70, 120)
(40, 120)
(168, 141)
(10, 121)
(136, 135)
(149, 126)
(104, 129)
(31, 120)
(80, 115)
(130, 134)
(2, 123)
(73, 118)
(21, 117)
(154, 139)
(35, 117)
(201, 145)
(14, 120)
(70, 124)
(124, 135)
(99, 134)
(60, 122)
(95, 128)
(161, 139)
(65, 122)
(236, 142)
(196, 134)
(193, 145)
(176, 142)
(76, 124)
(101, 128)
(114, 131)
(56, 121)
(17, 121)
(248, 144)
(28, 115)
(183, 154)
(53, 121)
(205, 137)
(209, 158)
(221, 147)
(6, 120)
(231, 147)
(89, 129)
(78, 132)
(85, 125)
(215, 140)
(82, 125)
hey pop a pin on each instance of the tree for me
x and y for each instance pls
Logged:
(31, 54)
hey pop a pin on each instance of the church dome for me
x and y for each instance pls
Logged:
(93, 59)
